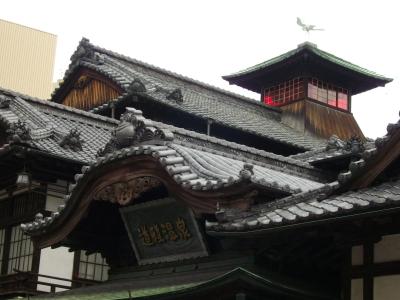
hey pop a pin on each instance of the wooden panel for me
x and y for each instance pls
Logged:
(293, 115)
(87, 93)
(324, 121)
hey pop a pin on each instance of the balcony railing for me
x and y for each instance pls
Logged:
(26, 283)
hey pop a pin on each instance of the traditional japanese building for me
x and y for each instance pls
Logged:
(176, 189)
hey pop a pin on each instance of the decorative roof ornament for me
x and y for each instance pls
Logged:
(354, 145)
(307, 28)
(134, 130)
(82, 82)
(335, 142)
(72, 141)
(84, 50)
(19, 132)
(246, 172)
(137, 86)
(4, 101)
(176, 95)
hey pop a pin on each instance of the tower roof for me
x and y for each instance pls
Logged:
(307, 59)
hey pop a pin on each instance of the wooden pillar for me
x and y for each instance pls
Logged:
(346, 274)
(209, 122)
(368, 280)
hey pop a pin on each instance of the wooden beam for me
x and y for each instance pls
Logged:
(385, 156)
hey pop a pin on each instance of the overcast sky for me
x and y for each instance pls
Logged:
(207, 39)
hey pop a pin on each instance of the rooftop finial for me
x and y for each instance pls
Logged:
(307, 28)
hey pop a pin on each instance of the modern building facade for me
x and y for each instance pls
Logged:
(27, 58)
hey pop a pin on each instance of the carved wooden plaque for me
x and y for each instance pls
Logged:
(163, 230)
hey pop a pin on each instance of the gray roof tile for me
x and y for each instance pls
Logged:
(199, 98)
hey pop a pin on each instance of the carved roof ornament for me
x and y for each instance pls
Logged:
(19, 132)
(137, 86)
(134, 130)
(4, 101)
(125, 192)
(82, 82)
(72, 141)
(354, 145)
(246, 172)
(176, 95)
(84, 50)
(335, 142)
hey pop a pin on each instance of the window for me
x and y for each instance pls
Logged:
(328, 94)
(21, 251)
(285, 92)
(92, 267)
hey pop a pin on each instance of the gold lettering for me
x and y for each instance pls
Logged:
(183, 232)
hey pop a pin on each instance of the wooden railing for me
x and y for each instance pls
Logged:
(26, 283)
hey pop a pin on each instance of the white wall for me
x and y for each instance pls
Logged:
(55, 262)
(387, 287)
(357, 289)
(388, 249)
(357, 255)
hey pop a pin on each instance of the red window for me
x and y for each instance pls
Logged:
(285, 92)
(327, 93)
(342, 101)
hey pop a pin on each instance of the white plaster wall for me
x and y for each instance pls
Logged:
(388, 249)
(357, 253)
(387, 287)
(357, 289)
(55, 262)
(55, 194)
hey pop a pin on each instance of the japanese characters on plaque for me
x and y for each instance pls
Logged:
(163, 230)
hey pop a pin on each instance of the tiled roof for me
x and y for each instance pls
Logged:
(314, 49)
(193, 169)
(50, 122)
(199, 99)
(309, 207)
(271, 285)
(197, 168)
(331, 200)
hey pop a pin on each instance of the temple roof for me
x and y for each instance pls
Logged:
(191, 166)
(195, 98)
(50, 123)
(353, 195)
(311, 208)
(365, 79)
(239, 280)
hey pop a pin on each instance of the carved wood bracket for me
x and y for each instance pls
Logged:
(125, 192)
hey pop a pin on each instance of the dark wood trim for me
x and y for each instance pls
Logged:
(6, 251)
(377, 269)
(346, 274)
(75, 267)
(385, 156)
(368, 280)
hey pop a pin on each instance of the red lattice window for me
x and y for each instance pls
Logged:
(328, 93)
(285, 92)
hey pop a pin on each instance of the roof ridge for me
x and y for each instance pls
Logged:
(87, 43)
(233, 145)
